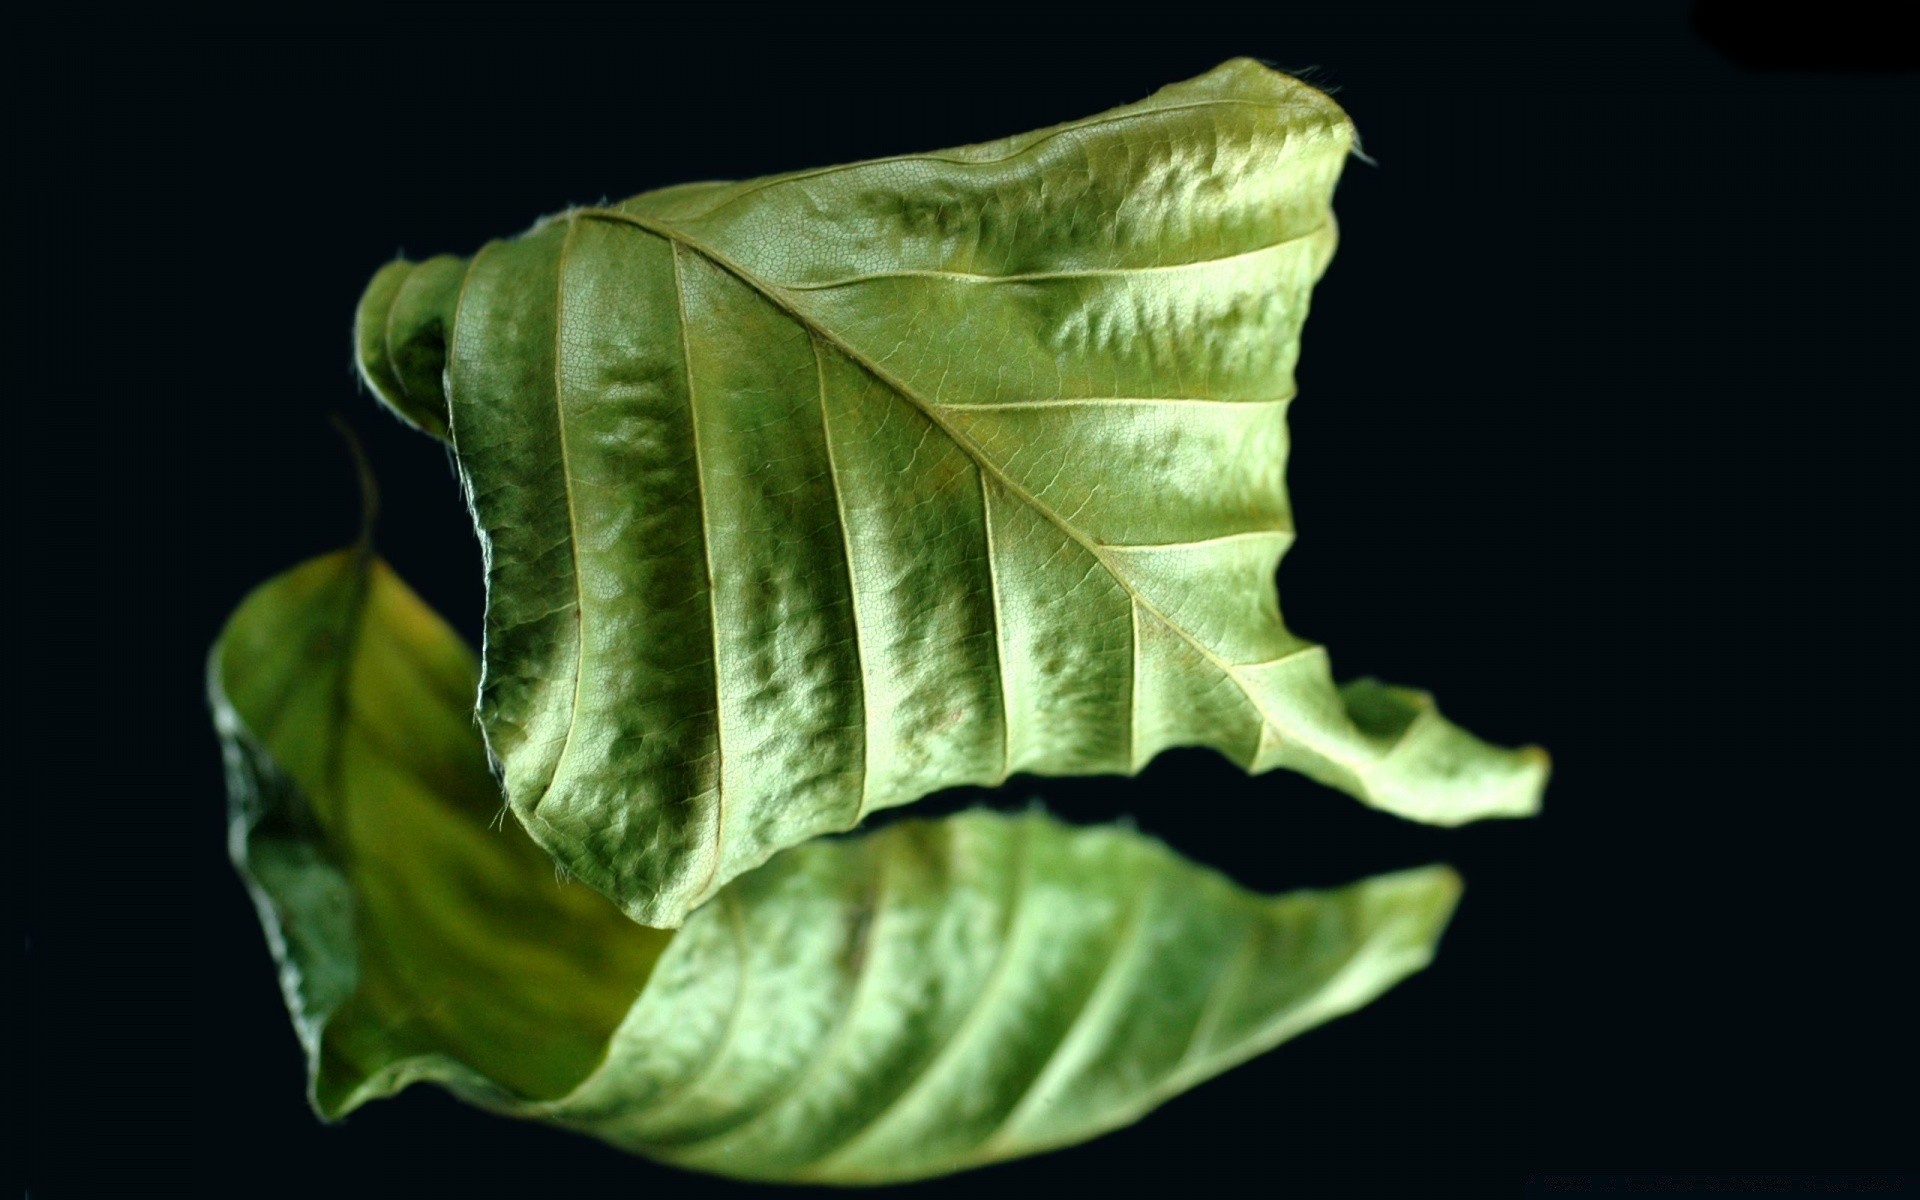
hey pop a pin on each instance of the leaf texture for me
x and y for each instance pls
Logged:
(360, 811)
(807, 496)
(913, 1001)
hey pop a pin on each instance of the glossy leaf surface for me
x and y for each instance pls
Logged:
(808, 496)
(910, 1002)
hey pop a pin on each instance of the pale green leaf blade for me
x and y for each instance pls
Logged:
(941, 994)
(414, 933)
(808, 496)
(921, 999)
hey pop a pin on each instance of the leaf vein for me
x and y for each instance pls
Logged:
(999, 631)
(1045, 276)
(573, 523)
(989, 991)
(860, 952)
(853, 593)
(736, 925)
(1064, 401)
(1099, 997)
(713, 600)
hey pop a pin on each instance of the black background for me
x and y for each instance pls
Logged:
(1603, 435)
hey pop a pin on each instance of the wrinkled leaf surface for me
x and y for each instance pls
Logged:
(808, 496)
(909, 1002)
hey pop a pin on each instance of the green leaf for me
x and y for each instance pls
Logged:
(808, 496)
(910, 1002)
(407, 929)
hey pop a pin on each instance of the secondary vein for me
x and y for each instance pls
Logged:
(713, 604)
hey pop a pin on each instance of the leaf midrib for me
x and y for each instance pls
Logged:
(773, 294)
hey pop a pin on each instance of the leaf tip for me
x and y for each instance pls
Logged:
(1412, 910)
